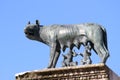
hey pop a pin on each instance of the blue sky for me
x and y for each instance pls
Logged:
(19, 54)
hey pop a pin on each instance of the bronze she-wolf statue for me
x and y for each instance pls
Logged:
(68, 36)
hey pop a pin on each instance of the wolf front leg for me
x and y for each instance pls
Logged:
(57, 54)
(52, 55)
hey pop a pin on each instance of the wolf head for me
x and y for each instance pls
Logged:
(32, 30)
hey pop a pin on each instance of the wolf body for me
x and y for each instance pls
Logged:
(68, 36)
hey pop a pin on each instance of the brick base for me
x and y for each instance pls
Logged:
(84, 72)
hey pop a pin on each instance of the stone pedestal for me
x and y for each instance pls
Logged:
(84, 72)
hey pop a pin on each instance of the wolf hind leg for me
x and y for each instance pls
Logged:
(102, 52)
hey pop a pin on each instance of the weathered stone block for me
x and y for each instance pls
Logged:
(83, 72)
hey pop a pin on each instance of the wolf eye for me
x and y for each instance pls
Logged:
(36, 27)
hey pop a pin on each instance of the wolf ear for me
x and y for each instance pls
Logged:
(37, 22)
(29, 22)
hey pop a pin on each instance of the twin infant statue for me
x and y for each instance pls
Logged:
(68, 58)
